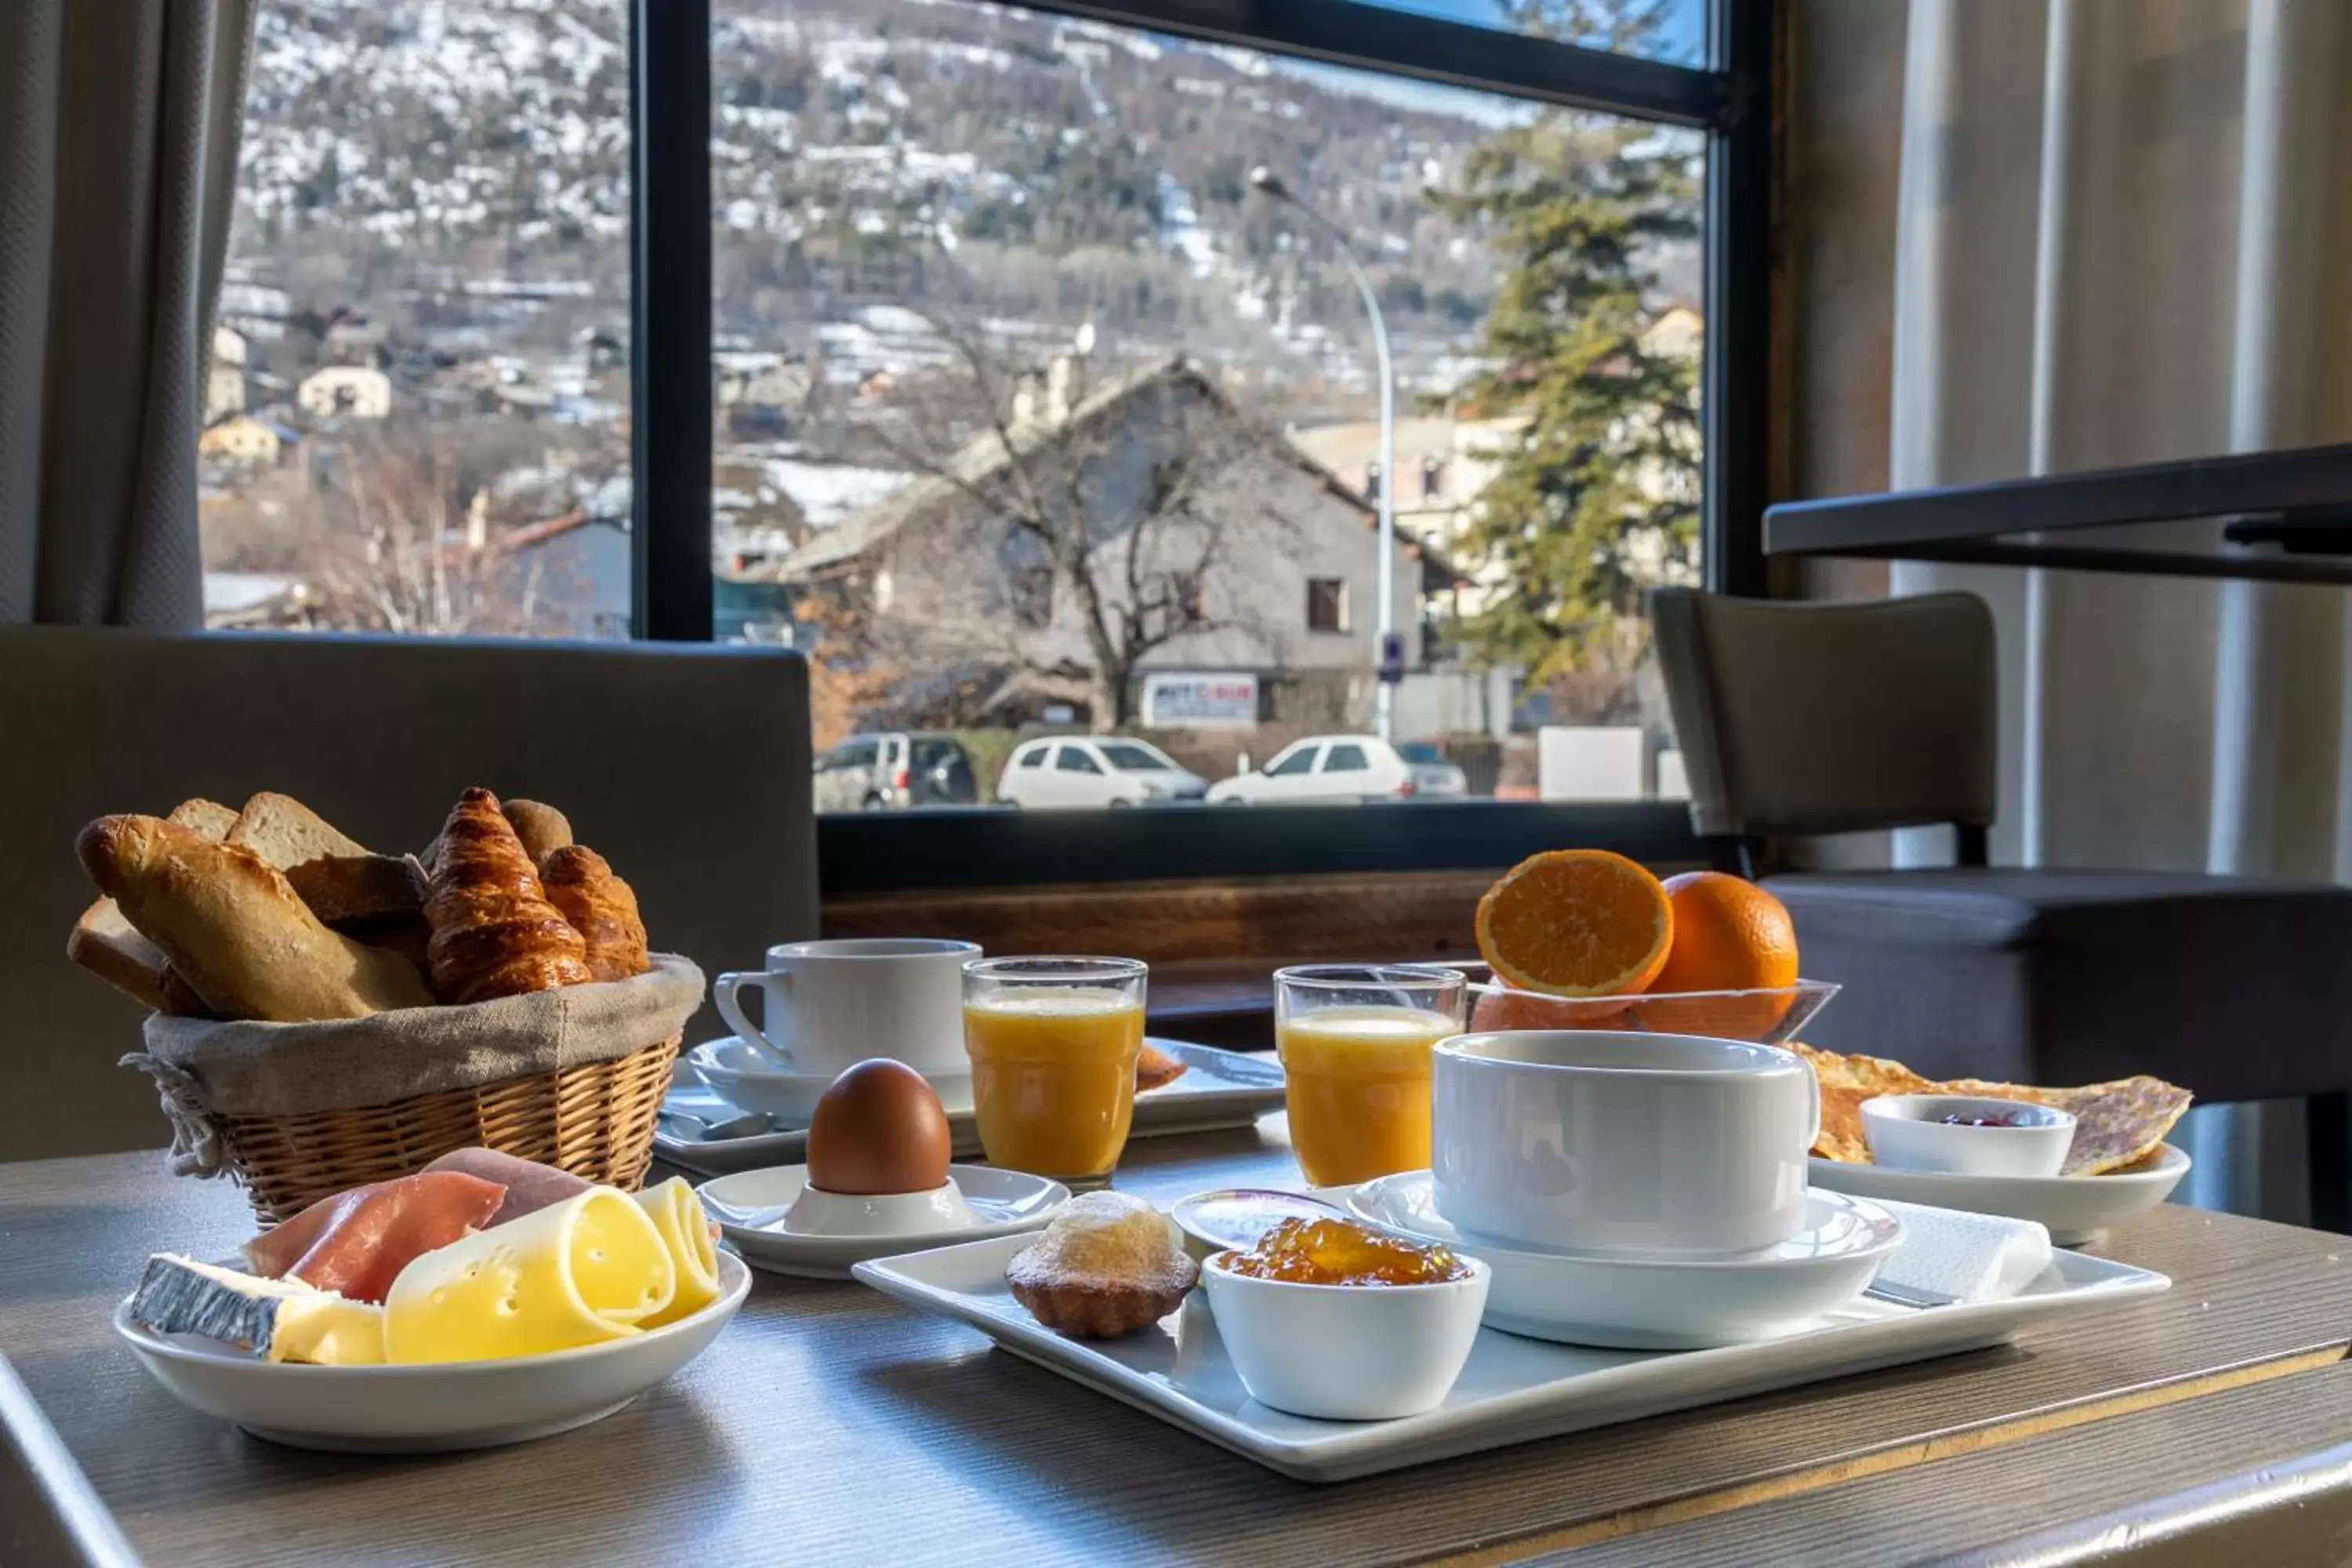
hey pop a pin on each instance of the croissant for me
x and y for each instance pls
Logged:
(601, 908)
(494, 932)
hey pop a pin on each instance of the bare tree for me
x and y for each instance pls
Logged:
(395, 546)
(1065, 533)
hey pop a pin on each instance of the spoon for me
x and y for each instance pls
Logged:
(749, 1124)
(1234, 1217)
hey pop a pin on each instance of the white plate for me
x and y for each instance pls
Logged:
(1513, 1390)
(1219, 1088)
(433, 1408)
(1005, 1202)
(1642, 1304)
(2074, 1208)
(742, 1073)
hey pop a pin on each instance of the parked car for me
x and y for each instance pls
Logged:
(894, 772)
(1433, 776)
(1093, 770)
(1323, 770)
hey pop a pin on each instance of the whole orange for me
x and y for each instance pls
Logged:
(1729, 936)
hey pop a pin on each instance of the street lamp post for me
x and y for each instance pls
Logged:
(1269, 183)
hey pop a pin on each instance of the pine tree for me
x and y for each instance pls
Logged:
(1595, 497)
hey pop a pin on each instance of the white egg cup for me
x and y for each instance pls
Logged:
(815, 1212)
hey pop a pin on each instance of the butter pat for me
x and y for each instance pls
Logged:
(269, 1319)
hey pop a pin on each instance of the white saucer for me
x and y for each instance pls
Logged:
(752, 1210)
(1654, 1305)
(429, 1408)
(2075, 1209)
(745, 1074)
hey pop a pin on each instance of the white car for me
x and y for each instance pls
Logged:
(1329, 770)
(1433, 776)
(1093, 770)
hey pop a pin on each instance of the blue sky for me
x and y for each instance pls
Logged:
(1681, 40)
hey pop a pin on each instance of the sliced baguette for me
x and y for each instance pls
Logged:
(346, 888)
(110, 947)
(234, 930)
(286, 833)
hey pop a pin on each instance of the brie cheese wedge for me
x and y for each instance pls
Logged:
(269, 1319)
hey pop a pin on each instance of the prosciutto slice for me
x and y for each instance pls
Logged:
(531, 1186)
(356, 1243)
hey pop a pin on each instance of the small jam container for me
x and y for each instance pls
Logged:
(1346, 1352)
(1966, 1135)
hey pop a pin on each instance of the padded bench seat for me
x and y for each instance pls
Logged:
(2238, 988)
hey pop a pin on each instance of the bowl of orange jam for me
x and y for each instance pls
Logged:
(1338, 1321)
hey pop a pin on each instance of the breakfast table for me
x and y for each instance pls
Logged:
(829, 1424)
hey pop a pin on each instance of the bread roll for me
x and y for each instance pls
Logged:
(494, 932)
(542, 829)
(110, 947)
(601, 907)
(234, 932)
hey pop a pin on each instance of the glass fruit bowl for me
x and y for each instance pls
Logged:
(1765, 1017)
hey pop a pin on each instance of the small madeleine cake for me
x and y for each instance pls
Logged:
(1109, 1264)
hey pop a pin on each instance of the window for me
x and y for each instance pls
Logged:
(1128, 757)
(1034, 757)
(1040, 379)
(417, 404)
(1073, 760)
(1291, 764)
(1326, 604)
(1345, 759)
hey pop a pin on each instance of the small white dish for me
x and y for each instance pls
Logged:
(737, 1071)
(427, 1409)
(762, 1213)
(1346, 1352)
(2075, 1209)
(1641, 1303)
(1966, 1134)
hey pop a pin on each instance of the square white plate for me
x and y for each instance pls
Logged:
(1514, 1390)
(1218, 1089)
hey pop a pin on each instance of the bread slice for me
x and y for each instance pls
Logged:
(110, 947)
(286, 833)
(233, 929)
(346, 888)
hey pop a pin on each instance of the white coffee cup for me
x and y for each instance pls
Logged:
(1631, 1144)
(833, 1004)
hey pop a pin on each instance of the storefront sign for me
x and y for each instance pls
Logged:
(1180, 701)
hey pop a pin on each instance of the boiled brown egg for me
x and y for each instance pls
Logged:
(878, 1129)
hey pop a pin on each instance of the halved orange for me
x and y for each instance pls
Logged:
(1576, 923)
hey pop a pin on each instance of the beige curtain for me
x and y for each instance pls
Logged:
(119, 121)
(2124, 234)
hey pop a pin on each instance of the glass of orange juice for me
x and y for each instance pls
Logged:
(1053, 1043)
(1355, 1042)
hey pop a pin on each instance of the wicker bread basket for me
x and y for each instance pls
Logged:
(595, 1120)
(296, 1112)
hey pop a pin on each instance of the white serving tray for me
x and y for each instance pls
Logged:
(1219, 1089)
(1514, 1390)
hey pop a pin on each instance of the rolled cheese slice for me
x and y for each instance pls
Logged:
(590, 1268)
(677, 1214)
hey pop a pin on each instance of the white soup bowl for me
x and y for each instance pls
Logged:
(1622, 1144)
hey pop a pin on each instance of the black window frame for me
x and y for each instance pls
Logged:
(1729, 99)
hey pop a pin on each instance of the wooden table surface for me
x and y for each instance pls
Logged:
(829, 1424)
